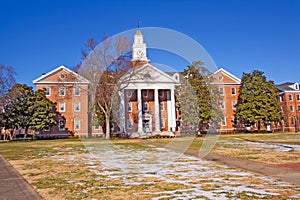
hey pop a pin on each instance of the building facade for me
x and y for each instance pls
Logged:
(69, 91)
(289, 101)
(228, 86)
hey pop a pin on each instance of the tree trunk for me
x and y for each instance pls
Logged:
(107, 124)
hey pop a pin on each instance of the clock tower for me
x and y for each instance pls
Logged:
(139, 50)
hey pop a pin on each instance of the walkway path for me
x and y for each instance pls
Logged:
(274, 171)
(13, 185)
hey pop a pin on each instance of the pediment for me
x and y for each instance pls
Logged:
(150, 74)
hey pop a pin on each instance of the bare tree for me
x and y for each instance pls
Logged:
(7, 79)
(105, 66)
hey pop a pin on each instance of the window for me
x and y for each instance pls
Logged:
(161, 93)
(290, 97)
(77, 106)
(233, 104)
(145, 93)
(62, 124)
(97, 127)
(129, 124)
(129, 107)
(293, 120)
(281, 98)
(46, 128)
(223, 121)
(162, 123)
(62, 91)
(222, 105)
(161, 106)
(145, 106)
(76, 124)
(220, 77)
(62, 76)
(298, 97)
(76, 91)
(233, 91)
(47, 90)
(222, 91)
(62, 107)
(292, 108)
(129, 93)
(298, 108)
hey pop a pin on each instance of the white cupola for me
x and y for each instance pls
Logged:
(139, 52)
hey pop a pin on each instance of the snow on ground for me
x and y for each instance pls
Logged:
(198, 179)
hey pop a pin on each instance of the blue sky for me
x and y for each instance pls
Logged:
(38, 35)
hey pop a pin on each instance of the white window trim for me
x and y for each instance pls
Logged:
(221, 93)
(129, 122)
(146, 103)
(129, 107)
(291, 97)
(222, 103)
(292, 109)
(46, 128)
(75, 91)
(63, 103)
(47, 95)
(75, 123)
(234, 91)
(97, 127)
(233, 104)
(75, 110)
(223, 121)
(161, 106)
(64, 91)
(59, 125)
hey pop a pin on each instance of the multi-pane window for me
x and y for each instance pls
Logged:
(76, 91)
(233, 104)
(61, 124)
(298, 97)
(77, 106)
(292, 108)
(221, 91)
(76, 124)
(129, 124)
(222, 105)
(290, 97)
(223, 121)
(293, 120)
(145, 106)
(47, 90)
(298, 108)
(281, 98)
(233, 91)
(161, 106)
(62, 107)
(161, 93)
(129, 106)
(62, 91)
(162, 123)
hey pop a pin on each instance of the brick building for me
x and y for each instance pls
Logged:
(228, 85)
(289, 101)
(69, 91)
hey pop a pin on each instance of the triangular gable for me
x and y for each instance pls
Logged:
(229, 78)
(50, 77)
(149, 73)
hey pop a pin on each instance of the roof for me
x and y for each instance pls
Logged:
(288, 87)
(233, 77)
(77, 76)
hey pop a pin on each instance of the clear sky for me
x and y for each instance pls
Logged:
(37, 36)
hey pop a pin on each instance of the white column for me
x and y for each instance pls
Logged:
(173, 116)
(169, 109)
(122, 112)
(140, 114)
(156, 111)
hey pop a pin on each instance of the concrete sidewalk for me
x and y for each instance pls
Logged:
(13, 186)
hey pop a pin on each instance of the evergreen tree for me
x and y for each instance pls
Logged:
(43, 112)
(197, 97)
(257, 100)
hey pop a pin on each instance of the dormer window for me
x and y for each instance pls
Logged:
(296, 86)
